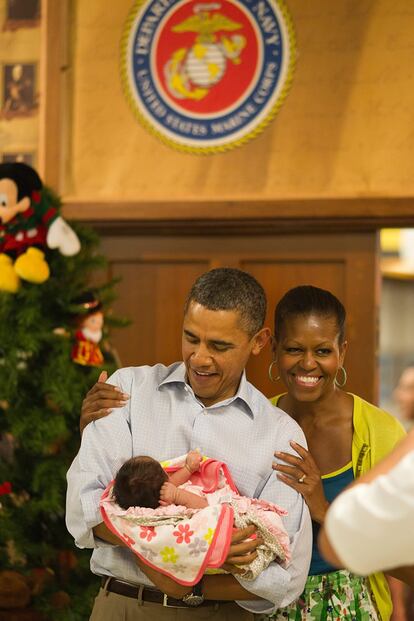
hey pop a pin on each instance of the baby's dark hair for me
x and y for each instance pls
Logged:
(308, 300)
(138, 483)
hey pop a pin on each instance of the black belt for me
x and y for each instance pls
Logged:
(113, 585)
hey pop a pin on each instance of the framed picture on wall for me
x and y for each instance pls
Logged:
(27, 157)
(19, 91)
(22, 14)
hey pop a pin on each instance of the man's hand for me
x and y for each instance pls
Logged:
(100, 401)
(241, 552)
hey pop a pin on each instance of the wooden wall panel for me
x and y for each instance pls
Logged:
(158, 271)
(345, 130)
(152, 294)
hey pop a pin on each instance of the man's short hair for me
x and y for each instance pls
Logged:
(228, 288)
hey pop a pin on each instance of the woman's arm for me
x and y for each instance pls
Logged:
(100, 400)
(303, 475)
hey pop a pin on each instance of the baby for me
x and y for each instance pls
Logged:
(150, 510)
(142, 482)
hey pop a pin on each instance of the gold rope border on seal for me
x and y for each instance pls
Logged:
(291, 40)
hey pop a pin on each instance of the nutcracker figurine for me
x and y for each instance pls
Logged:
(86, 350)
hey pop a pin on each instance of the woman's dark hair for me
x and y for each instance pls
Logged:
(138, 483)
(307, 300)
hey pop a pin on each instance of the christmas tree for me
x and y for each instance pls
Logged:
(43, 576)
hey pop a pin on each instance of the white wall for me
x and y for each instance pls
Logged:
(396, 341)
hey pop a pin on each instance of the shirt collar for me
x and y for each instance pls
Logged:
(244, 393)
(176, 375)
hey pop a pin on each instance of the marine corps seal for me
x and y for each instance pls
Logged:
(205, 77)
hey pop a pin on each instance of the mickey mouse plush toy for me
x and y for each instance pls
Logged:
(28, 224)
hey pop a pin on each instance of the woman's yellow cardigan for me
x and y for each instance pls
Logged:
(375, 434)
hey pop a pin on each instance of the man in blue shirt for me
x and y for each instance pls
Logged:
(203, 402)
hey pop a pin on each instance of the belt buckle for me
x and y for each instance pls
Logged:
(167, 605)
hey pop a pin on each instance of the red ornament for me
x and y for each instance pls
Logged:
(5, 488)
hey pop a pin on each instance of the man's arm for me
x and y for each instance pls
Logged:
(353, 536)
(277, 585)
(224, 587)
(219, 586)
(406, 574)
(101, 531)
(164, 583)
(86, 536)
(94, 467)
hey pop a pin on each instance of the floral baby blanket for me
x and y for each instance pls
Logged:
(186, 543)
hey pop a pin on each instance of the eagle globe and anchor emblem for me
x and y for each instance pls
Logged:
(205, 77)
(191, 73)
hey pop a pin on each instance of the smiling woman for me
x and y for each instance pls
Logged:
(346, 436)
(311, 352)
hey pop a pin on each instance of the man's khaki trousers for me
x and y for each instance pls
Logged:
(114, 607)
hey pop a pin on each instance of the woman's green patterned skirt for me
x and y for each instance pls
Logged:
(337, 596)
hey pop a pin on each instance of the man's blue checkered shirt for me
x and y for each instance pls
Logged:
(164, 419)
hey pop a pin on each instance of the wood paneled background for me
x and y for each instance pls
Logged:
(290, 206)
(157, 273)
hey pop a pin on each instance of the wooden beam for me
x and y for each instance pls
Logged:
(52, 66)
(244, 216)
